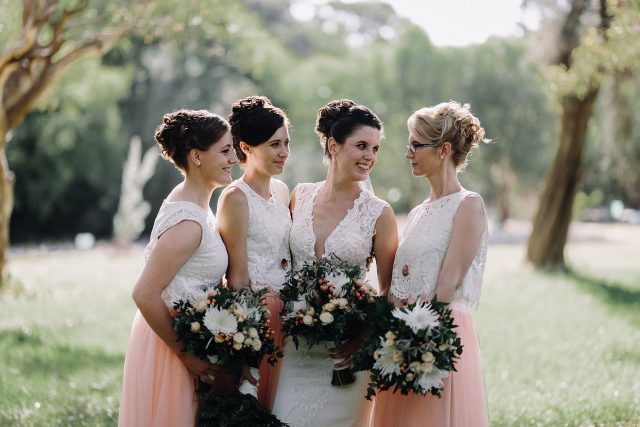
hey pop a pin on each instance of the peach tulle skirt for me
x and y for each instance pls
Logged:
(157, 389)
(269, 374)
(463, 401)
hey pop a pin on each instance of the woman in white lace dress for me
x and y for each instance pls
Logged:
(184, 257)
(336, 216)
(442, 252)
(253, 214)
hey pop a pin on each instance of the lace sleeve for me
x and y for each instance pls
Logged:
(177, 215)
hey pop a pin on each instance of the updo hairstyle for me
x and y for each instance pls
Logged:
(340, 118)
(183, 130)
(253, 121)
(449, 122)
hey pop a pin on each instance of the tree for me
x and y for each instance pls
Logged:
(588, 49)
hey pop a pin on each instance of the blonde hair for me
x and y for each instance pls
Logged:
(449, 122)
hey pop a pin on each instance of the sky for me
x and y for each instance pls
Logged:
(461, 22)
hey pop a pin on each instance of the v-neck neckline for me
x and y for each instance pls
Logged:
(313, 232)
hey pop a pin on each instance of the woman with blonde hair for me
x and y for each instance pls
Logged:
(442, 253)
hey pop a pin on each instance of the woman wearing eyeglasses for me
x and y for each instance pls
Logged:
(442, 252)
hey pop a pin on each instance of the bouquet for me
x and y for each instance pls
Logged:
(327, 301)
(416, 352)
(229, 328)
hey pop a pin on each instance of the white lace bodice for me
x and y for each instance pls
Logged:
(206, 266)
(268, 256)
(422, 249)
(351, 240)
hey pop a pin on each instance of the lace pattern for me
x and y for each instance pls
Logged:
(351, 240)
(206, 266)
(422, 249)
(268, 256)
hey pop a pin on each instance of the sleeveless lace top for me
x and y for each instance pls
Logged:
(422, 249)
(351, 240)
(208, 263)
(268, 256)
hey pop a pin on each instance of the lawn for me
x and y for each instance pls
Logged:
(558, 349)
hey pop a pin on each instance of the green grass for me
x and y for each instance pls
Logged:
(558, 349)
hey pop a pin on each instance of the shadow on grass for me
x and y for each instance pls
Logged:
(618, 296)
(32, 356)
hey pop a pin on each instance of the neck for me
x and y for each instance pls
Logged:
(443, 183)
(195, 191)
(259, 182)
(337, 186)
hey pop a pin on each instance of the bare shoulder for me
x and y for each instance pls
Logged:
(232, 198)
(471, 209)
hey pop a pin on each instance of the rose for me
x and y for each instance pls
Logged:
(307, 320)
(201, 306)
(248, 342)
(256, 344)
(253, 332)
(428, 357)
(409, 377)
(238, 337)
(237, 346)
(427, 367)
(328, 306)
(219, 338)
(326, 317)
(342, 302)
(390, 335)
(195, 326)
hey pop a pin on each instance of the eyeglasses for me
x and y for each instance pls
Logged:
(414, 146)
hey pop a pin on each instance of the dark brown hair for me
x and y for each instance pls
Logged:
(183, 130)
(253, 121)
(340, 118)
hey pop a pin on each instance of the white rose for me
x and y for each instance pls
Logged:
(428, 357)
(238, 337)
(414, 366)
(326, 317)
(248, 341)
(307, 320)
(195, 326)
(237, 346)
(343, 302)
(328, 307)
(427, 367)
(256, 344)
(253, 332)
(409, 377)
(310, 311)
(390, 335)
(202, 306)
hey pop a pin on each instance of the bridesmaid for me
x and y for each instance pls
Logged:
(253, 214)
(442, 252)
(184, 257)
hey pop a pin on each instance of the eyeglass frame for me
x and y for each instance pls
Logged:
(413, 147)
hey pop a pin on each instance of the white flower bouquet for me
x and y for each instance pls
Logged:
(327, 301)
(416, 350)
(230, 328)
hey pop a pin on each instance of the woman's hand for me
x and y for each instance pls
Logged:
(201, 369)
(347, 350)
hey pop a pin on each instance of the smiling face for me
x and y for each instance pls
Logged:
(355, 158)
(269, 157)
(216, 162)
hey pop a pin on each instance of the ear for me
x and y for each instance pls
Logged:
(332, 146)
(246, 148)
(194, 155)
(445, 149)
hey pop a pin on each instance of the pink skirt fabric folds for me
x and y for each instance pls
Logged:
(157, 389)
(463, 401)
(269, 374)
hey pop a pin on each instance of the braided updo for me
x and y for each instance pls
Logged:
(340, 118)
(183, 130)
(253, 121)
(449, 122)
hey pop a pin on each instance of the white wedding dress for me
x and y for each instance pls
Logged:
(305, 396)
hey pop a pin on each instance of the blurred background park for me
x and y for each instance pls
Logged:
(83, 84)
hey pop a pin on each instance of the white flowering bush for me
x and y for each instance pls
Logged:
(414, 351)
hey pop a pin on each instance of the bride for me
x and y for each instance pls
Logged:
(336, 216)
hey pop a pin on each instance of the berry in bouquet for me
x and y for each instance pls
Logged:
(416, 349)
(230, 328)
(327, 301)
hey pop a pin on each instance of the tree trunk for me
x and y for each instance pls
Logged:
(551, 223)
(6, 205)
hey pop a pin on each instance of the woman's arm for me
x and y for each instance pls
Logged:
(469, 225)
(172, 250)
(233, 223)
(385, 244)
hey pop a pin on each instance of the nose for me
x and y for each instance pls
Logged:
(408, 154)
(233, 158)
(284, 153)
